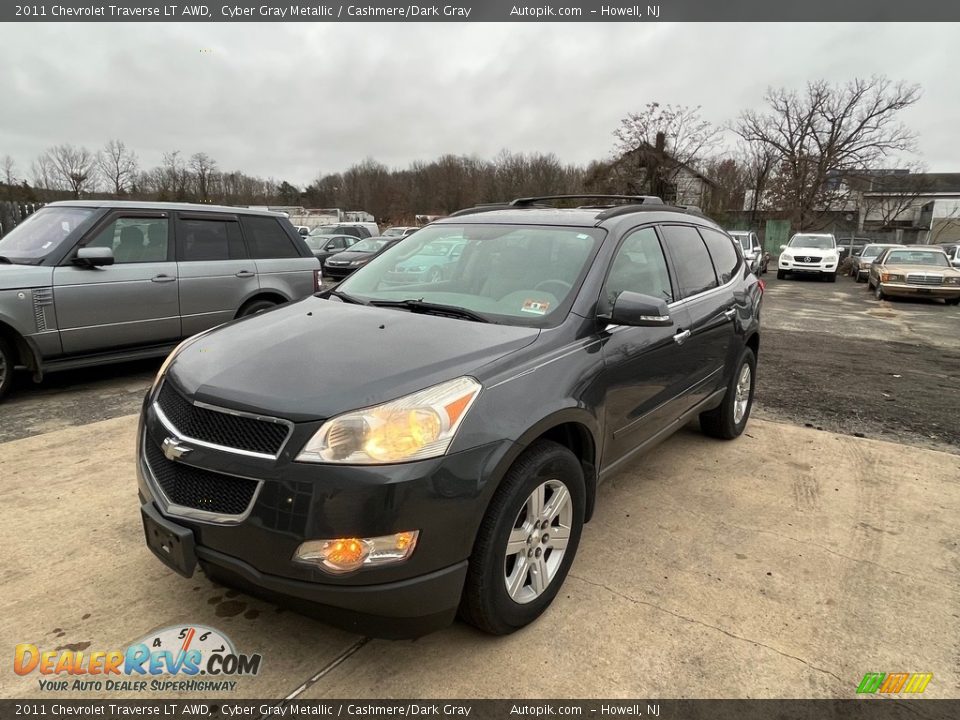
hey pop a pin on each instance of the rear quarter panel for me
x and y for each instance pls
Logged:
(290, 277)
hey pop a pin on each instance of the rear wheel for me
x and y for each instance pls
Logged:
(8, 361)
(729, 419)
(527, 540)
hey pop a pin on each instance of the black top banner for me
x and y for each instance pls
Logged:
(483, 11)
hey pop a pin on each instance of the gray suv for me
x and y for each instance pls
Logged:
(90, 282)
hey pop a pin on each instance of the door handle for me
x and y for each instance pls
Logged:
(246, 274)
(163, 278)
(730, 313)
(681, 336)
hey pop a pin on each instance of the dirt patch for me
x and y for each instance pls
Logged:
(884, 390)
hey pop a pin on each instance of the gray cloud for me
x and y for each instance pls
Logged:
(291, 100)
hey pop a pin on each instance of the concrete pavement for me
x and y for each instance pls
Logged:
(785, 564)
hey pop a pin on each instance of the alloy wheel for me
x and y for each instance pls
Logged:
(742, 398)
(538, 541)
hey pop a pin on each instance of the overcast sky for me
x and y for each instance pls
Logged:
(291, 100)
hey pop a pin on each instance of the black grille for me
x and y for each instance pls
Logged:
(925, 279)
(199, 489)
(219, 428)
(808, 259)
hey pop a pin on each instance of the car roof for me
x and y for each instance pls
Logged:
(808, 234)
(186, 207)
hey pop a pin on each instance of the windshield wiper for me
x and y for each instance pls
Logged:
(418, 305)
(348, 298)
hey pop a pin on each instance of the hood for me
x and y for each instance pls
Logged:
(348, 255)
(318, 358)
(811, 251)
(19, 277)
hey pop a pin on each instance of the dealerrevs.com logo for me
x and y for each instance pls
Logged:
(174, 659)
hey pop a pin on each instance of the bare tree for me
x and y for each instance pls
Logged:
(176, 177)
(118, 166)
(688, 136)
(8, 173)
(203, 167)
(71, 168)
(823, 134)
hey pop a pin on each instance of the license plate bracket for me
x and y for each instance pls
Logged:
(173, 544)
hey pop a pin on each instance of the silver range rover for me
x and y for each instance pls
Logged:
(91, 282)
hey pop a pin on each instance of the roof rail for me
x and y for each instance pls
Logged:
(481, 208)
(636, 199)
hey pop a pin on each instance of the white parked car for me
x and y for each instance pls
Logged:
(809, 254)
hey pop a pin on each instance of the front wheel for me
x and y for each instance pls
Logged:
(951, 301)
(781, 274)
(527, 540)
(7, 362)
(729, 419)
(861, 278)
(879, 293)
(832, 277)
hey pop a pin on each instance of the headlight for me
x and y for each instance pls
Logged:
(890, 277)
(788, 258)
(952, 281)
(357, 263)
(414, 427)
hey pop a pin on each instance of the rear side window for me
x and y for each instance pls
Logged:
(694, 268)
(211, 239)
(725, 257)
(268, 239)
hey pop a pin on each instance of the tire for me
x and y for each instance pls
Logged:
(860, 278)
(722, 421)
(781, 274)
(8, 361)
(832, 277)
(869, 284)
(255, 306)
(486, 603)
(879, 293)
(951, 301)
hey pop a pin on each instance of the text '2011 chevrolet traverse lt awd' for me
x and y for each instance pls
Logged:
(395, 453)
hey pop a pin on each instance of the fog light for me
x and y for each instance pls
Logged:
(341, 555)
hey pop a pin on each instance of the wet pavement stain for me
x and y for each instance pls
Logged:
(215, 599)
(85, 616)
(230, 608)
(75, 647)
(251, 614)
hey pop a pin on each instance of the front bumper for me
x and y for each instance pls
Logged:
(946, 292)
(795, 266)
(444, 498)
(339, 271)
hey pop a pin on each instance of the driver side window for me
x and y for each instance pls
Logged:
(640, 267)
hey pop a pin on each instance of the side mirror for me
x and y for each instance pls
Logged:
(783, 247)
(94, 257)
(638, 310)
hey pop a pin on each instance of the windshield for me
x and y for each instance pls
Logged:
(871, 251)
(323, 230)
(743, 238)
(821, 242)
(315, 242)
(513, 275)
(394, 232)
(45, 229)
(369, 245)
(917, 257)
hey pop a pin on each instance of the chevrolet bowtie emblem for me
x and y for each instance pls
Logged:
(173, 449)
